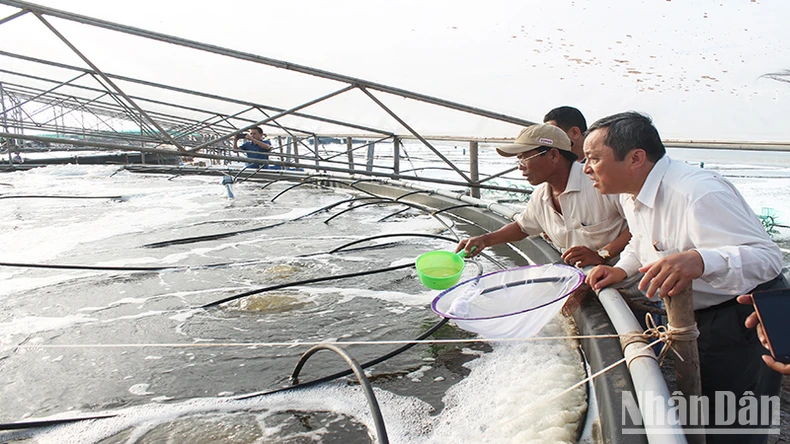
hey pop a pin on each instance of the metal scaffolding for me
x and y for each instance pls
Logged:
(51, 103)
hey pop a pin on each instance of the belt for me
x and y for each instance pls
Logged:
(767, 285)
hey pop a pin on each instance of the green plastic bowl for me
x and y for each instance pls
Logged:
(440, 270)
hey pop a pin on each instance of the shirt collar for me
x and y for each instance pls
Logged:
(647, 194)
(574, 178)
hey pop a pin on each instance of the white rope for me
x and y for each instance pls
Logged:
(660, 332)
(307, 343)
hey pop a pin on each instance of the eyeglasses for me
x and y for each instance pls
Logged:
(523, 162)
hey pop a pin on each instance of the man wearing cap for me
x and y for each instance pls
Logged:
(585, 225)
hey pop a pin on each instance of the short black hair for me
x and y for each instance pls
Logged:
(257, 129)
(567, 117)
(566, 154)
(628, 131)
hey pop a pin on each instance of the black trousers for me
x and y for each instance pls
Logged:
(730, 361)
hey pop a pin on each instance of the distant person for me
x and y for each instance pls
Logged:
(587, 227)
(17, 158)
(255, 146)
(753, 322)
(690, 226)
(572, 121)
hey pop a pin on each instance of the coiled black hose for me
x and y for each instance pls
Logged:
(375, 410)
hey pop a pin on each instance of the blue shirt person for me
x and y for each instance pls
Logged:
(255, 146)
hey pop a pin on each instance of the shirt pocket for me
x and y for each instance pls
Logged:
(601, 233)
(655, 252)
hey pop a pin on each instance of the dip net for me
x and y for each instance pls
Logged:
(514, 303)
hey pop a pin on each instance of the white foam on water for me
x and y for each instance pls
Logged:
(349, 294)
(503, 399)
(337, 397)
(292, 214)
(140, 390)
(42, 229)
(508, 396)
(14, 283)
(29, 325)
(422, 224)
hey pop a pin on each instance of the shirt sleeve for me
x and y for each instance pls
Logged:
(526, 220)
(629, 260)
(736, 251)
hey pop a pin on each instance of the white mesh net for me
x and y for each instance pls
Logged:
(513, 303)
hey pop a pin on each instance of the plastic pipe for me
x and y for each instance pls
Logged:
(645, 372)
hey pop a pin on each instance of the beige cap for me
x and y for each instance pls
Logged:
(534, 136)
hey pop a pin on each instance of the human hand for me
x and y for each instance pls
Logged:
(776, 365)
(671, 274)
(473, 246)
(581, 256)
(604, 275)
(754, 322)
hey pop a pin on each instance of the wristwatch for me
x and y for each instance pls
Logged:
(604, 253)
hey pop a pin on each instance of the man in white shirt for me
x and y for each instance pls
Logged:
(586, 226)
(689, 226)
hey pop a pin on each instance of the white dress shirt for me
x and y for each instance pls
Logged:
(588, 218)
(682, 208)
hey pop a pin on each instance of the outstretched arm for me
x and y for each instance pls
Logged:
(509, 233)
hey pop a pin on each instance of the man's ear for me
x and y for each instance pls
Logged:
(636, 158)
(575, 132)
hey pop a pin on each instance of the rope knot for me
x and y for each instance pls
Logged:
(668, 335)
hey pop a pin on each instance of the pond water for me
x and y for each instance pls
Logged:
(136, 344)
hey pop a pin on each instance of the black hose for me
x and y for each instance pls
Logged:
(454, 207)
(432, 236)
(375, 410)
(391, 201)
(380, 236)
(366, 248)
(194, 239)
(411, 193)
(343, 373)
(312, 180)
(84, 267)
(190, 240)
(49, 422)
(306, 281)
(33, 196)
(430, 168)
(105, 268)
(305, 182)
(241, 171)
(394, 214)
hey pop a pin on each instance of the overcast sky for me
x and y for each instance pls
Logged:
(696, 67)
